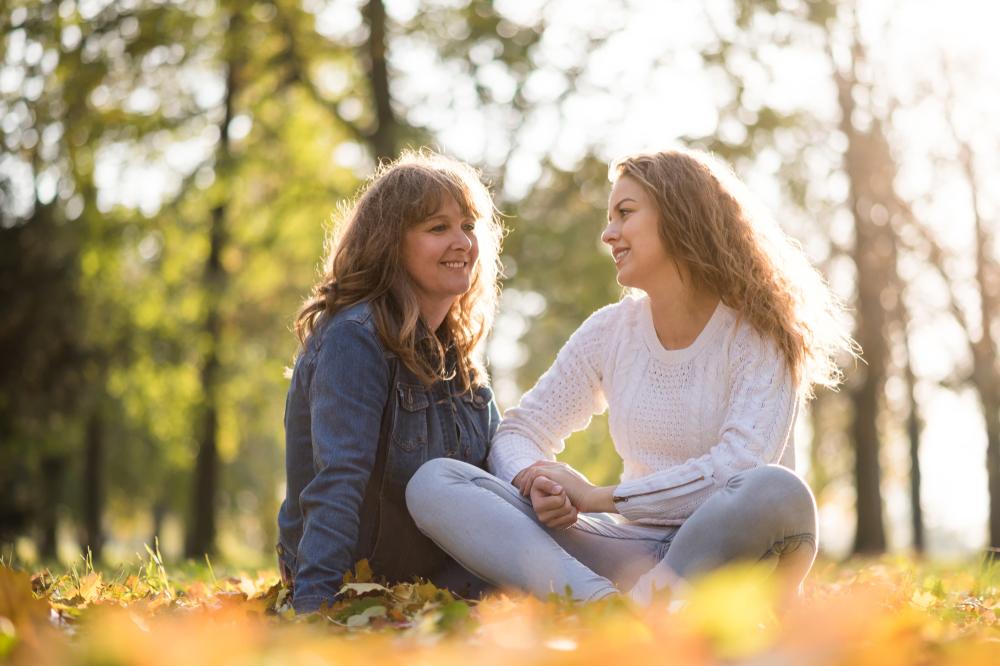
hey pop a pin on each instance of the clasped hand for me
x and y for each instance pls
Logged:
(557, 492)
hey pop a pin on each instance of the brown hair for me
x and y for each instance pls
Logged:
(364, 263)
(709, 223)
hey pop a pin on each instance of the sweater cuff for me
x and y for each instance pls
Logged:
(665, 498)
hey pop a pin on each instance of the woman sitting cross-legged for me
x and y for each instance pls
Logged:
(702, 370)
(389, 375)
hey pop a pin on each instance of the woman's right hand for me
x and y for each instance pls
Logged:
(551, 504)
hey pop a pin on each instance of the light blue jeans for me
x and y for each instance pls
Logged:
(765, 515)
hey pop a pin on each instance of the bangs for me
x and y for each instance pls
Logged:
(439, 184)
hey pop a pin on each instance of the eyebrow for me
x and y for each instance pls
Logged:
(618, 205)
(444, 217)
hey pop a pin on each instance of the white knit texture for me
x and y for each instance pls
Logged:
(684, 421)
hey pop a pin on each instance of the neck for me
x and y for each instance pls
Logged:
(680, 314)
(433, 314)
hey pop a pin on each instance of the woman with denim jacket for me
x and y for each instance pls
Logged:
(389, 374)
(702, 372)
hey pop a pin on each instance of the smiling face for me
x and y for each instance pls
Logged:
(634, 238)
(439, 255)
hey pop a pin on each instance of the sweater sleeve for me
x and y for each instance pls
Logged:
(762, 404)
(562, 401)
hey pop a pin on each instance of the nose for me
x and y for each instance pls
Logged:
(611, 233)
(463, 240)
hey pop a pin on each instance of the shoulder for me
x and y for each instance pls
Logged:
(352, 328)
(625, 312)
(750, 350)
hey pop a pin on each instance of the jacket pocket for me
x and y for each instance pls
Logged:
(409, 430)
(477, 408)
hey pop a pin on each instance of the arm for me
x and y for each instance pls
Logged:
(761, 412)
(347, 396)
(563, 401)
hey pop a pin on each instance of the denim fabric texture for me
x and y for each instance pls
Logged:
(358, 424)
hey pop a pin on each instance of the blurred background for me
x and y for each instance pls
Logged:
(169, 170)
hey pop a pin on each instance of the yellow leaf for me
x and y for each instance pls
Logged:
(362, 618)
(90, 587)
(247, 587)
(17, 601)
(363, 588)
(733, 608)
(923, 599)
(362, 573)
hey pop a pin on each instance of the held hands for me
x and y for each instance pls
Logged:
(557, 491)
(551, 504)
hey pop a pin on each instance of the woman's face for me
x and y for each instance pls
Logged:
(633, 236)
(439, 254)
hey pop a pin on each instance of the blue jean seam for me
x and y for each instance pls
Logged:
(585, 528)
(796, 540)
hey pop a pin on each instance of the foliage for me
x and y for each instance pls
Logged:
(882, 612)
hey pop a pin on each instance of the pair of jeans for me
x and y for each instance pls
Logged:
(766, 514)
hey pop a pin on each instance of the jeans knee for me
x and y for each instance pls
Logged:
(781, 493)
(423, 491)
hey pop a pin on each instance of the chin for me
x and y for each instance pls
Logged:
(624, 280)
(461, 290)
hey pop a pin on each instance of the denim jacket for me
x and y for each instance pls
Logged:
(358, 424)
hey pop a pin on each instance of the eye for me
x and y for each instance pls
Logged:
(438, 228)
(469, 226)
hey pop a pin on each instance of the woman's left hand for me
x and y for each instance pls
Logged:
(578, 488)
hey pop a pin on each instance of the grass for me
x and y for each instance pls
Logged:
(888, 611)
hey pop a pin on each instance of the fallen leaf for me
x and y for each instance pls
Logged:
(364, 617)
(362, 588)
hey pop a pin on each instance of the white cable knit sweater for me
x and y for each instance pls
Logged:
(684, 421)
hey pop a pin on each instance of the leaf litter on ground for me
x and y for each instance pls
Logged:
(888, 611)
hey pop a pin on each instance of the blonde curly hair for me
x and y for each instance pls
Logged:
(710, 223)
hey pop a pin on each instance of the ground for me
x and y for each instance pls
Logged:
(888, 611)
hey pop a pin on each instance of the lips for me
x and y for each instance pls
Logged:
(620, 253)
(454, 264)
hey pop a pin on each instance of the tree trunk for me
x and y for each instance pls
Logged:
(993, 471)
(159, 514)
(202, 524)
(93, 484)
(913, 427)
(871, 171)
(53, 469)
(384, 137)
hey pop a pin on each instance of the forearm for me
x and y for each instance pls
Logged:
(600, 499)
(330, 533)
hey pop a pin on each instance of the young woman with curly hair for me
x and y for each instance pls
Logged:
(389, 375)
(702, 369)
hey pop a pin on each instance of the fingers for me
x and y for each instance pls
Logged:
(551, 504)
(561, 517)
(568, 520)
(523, 479)
(546, 485)
(542, 500)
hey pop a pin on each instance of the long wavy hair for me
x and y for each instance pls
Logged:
(711, 224)
(364, 262)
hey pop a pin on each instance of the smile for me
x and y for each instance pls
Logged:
(454, 264)
(620, 254)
